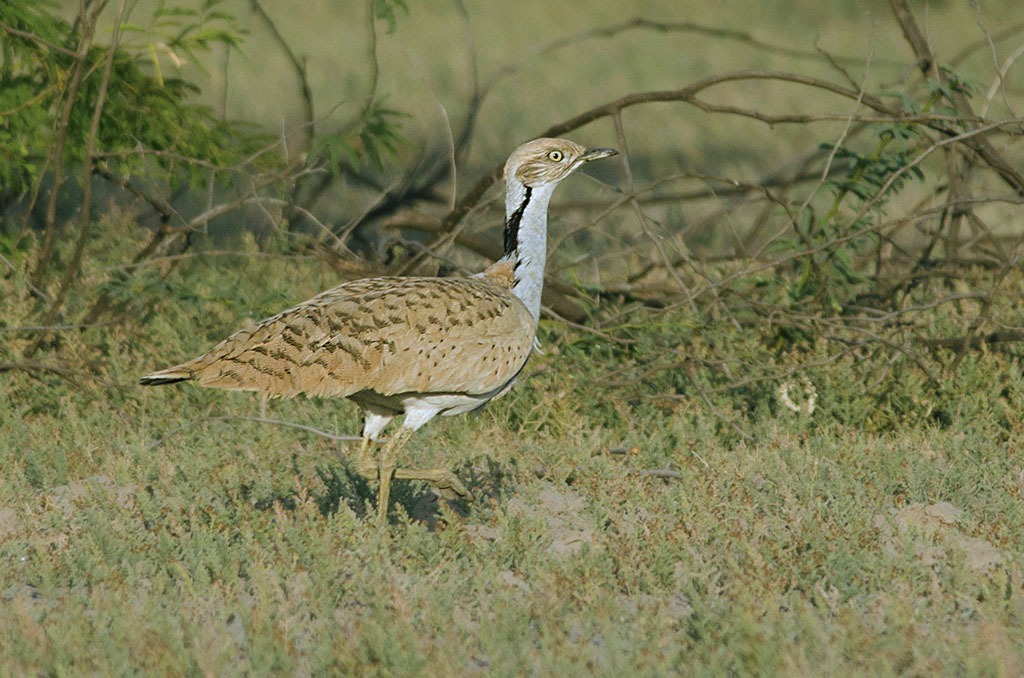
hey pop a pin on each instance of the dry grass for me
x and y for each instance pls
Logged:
(816, 546)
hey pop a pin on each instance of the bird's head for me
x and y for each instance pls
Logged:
(547, 161)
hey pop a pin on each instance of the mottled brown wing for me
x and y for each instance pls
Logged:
(390, 335)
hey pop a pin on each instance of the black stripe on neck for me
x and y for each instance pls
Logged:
(512, 225)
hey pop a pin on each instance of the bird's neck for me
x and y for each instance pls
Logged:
(526, 230)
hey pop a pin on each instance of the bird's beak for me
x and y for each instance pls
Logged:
(597, 153)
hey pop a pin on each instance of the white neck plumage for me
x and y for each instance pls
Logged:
(526, 232)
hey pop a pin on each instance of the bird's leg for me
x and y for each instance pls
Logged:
(441, 478)
(365, 465)
(388, 461)
(372, 426)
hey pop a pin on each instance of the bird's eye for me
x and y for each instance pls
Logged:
(555, 156)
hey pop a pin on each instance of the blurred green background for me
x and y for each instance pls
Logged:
(429, 65)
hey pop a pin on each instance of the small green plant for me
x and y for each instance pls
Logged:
(834, 241)
(376, 134)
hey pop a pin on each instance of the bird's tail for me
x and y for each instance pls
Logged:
(171, 375)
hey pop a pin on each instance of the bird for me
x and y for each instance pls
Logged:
(412, 346)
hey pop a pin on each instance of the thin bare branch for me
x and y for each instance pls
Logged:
(259, 420)
(86, 220)
(55, 161)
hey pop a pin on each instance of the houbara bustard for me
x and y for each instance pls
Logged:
(413, 346)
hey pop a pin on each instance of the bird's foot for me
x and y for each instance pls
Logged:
(445, 483)
(366, 465)
(368, 470)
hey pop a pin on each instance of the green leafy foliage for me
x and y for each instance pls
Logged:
(180, 140)
(375, 135)
(150, 122)
(29, 81)
(832, 243)
(180, 33)
(944, 93)
(886, 168)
